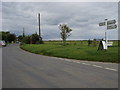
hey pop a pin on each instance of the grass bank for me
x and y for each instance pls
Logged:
(74, 50)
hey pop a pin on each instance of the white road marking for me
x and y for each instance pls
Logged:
(111, 69)
(61, 58)
(86, 63)
(97, 66)
(67, 60)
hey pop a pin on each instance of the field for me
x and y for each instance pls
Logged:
(75, 50)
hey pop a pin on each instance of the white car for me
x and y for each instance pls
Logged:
(2, 43)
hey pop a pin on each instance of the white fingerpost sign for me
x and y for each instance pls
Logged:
(102, 24)
(104, 45)
(111, 24)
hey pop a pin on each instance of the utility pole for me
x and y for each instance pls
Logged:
(40, 38)
(23, 32)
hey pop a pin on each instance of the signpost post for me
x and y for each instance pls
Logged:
(111, 24)
(106, 34)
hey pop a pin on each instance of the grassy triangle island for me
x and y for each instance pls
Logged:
(79, 50)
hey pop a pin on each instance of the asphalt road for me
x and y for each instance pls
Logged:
(22, 69)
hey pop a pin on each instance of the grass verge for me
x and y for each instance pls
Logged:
(74, 51)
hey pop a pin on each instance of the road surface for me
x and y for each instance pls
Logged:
(22, 69)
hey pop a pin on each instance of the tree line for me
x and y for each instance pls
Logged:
(65, 32)
(24, 39)
(30, 39)
(7, 37)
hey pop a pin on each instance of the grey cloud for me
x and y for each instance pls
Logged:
(83, 18)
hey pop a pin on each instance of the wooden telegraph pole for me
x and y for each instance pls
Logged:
(40, 38)
(23, 32)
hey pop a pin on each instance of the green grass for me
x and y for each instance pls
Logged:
(74, 50)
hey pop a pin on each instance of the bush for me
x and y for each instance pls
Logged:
(26, 40)
(39, 42)
(22, 43)
(34, 38)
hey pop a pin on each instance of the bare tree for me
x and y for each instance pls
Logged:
(65, 32)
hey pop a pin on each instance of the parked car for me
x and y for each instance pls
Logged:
(2, 43)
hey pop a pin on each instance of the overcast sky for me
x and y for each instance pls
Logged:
(82, 17)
